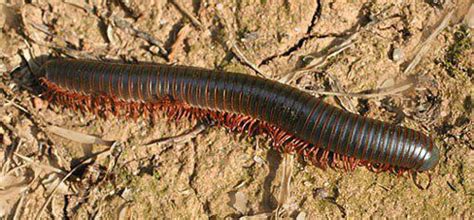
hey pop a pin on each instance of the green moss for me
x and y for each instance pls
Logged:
(454, 56)
(126, 178)
(156, 175)
(233, 67)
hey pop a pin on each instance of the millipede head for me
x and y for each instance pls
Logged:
(430, 160)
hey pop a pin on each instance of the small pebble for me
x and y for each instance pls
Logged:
(397, 54)
(39, 104)
(258, 159)
(301, 216)
(127, 194)
(163, 22)
(7, 119)
(220, 6)
(4, 138)
(437, 3)
(249, 37)
(240, 203)
(154, 49)
(444, 113)
(320, 193)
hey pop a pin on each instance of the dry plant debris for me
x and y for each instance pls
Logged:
(57, 163)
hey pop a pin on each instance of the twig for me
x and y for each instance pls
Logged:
(246, 61)
(320, 61)
(191, 17)
(425, 46)
(14, 169)
(80, 4)
(343, 101)
(183, 32)
(230, 44)
(86, 161)
(234, 48)
(50, 196)
(380, 92)
(8, 158)
(31, 161)
(123, 24)
(295, 74)
(179, 138)
(41, 27)
(12, 102)
(69, 52)
(285, 189)
(19, 206)
(77, 136)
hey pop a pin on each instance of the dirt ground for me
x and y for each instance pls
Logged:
(359, 51)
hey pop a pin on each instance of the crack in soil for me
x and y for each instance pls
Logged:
(301, 41)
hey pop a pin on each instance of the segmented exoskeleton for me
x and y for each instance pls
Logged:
(293, 117)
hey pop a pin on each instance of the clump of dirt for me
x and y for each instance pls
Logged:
(62, 163)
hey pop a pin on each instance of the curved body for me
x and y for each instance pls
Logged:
(296, 112)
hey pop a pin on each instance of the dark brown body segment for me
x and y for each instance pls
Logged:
(294, 111)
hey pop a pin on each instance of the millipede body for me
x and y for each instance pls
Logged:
(296, 120)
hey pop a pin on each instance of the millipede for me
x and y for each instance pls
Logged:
(296, 121)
